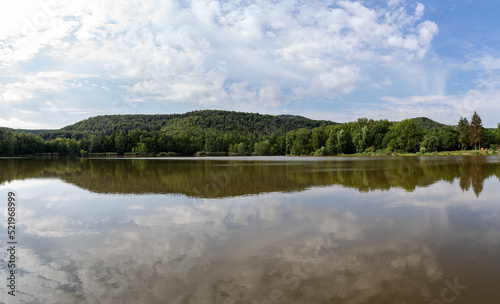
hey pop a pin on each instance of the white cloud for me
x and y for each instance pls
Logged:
(330, 83)
(204, 51)
(239, 92)
(419, 11)
(426, 32)
(17, 123)
(270, 95)
(487, 61)
(394, 2)
(442, 108)
(379, 85)
(27, 100)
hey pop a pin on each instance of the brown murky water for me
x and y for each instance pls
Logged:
(256, 230)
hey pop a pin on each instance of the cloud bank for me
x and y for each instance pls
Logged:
(69, 60)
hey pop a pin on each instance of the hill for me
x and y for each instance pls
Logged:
(196, 122)
(109, 124)
(28, 131)
(292, 116)
(215, 132)
(426, 124)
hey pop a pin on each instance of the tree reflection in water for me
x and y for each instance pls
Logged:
(224, 177)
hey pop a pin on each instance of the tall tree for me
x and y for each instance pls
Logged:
(476, 128)
(301, 144)
(408, 135)
(496, 134)
(316, 140)
(430, 142)
(360, 138)
(341, 142)
(449, 138)
(464, 129)
(331, 143)
(121, 142)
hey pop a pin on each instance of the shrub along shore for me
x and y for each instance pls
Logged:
(381, 153)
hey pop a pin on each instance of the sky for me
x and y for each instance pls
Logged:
(62, 61)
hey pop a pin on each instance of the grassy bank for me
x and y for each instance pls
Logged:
(441, 153)
(379, 153)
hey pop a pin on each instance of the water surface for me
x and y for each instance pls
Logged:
(257, 230)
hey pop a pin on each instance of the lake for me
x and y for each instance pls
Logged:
(254, 230)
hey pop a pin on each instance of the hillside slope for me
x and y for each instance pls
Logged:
(30, 131)
(215, 132)
(199, 122)
(426, 124)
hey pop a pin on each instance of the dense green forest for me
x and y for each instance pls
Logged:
(213, 132)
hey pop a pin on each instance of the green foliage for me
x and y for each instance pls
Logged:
(408, 135)
(487, 137)
(331, 143)
(342, 141)
(121, 142)
(472, 133)
(430, 143)
(449, 139)
(464, 129)
(378, 132)
(390, 141)
(317, 138)
(63, 147)
(7, 142)
(427, 124)
(221, 132)
(27, 131)
(262, 148)
(299, 142)
(476, 128)
(27, 143)
(140, 148)
(320, 152)
(496, 134)
(403, 136)
(360, 139)
(241, 148)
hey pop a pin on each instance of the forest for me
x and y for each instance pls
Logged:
(214, 132)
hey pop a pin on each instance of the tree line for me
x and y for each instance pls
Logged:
(234, 133)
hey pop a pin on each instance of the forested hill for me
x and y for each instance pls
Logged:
(426, 124)
(213, 132)
(30, 131)
(196, 122)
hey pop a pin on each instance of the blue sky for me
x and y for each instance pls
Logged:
(63, 61)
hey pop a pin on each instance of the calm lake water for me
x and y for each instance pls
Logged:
(255, 230)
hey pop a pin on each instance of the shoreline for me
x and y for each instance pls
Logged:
(218, 155)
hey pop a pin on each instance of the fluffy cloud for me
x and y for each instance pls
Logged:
(259, 53)
(25, 87)
(443, 108)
